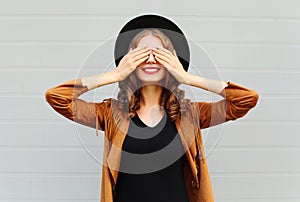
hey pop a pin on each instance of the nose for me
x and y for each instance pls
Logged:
(151, 58)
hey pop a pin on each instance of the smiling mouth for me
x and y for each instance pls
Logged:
(150, 70)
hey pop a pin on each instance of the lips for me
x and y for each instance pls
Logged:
(150, 70)
(150, 67)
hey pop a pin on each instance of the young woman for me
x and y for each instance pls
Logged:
(150, 114)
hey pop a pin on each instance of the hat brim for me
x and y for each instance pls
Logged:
(170, 29)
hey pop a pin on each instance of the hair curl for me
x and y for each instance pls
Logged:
(172, 99)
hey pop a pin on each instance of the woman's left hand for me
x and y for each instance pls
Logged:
(171, 62)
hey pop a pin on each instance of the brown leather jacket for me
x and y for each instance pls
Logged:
(238, 100)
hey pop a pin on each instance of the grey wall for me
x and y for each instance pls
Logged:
(44, 43)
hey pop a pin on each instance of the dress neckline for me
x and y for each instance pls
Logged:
(159, 123)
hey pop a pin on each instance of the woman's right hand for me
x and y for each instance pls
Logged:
(131, 61)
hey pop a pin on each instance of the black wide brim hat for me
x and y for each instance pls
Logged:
(170, 29)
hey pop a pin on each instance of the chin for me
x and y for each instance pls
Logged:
(150, 81)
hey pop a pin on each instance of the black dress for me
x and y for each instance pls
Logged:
(151, 167)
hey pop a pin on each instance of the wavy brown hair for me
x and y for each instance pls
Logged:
(172, 98)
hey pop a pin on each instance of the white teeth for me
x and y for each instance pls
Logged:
(150, 70)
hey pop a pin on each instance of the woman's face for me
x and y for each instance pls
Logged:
(150, 71)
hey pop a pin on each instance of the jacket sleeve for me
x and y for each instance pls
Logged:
(64, 100)
(238, 100)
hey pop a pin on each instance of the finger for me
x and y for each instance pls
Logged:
(133, 50)
(162, 57)
(137, 57)
(139, 51)
(139, 61)
(165, 64)
(164, 54)
(141, 48)
(164, 50)
(176, 57)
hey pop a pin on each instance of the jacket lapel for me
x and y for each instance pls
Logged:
(187, 132)
(114, 155)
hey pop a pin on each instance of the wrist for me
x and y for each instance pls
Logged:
(187, 78)
(115, 74)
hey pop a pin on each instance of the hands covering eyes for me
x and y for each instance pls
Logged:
(131, 61)
(139, 55)
(171, 62)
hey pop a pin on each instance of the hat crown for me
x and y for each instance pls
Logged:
(170, 29)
